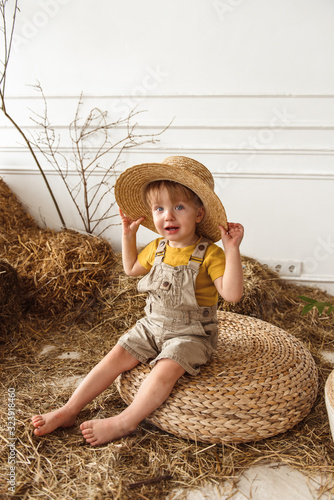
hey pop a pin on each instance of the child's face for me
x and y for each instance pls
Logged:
(176, 221)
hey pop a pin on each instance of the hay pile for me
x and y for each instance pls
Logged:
(75, 303)
(61, 273)
(10, 299)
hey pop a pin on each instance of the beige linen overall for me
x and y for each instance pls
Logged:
(175, 326)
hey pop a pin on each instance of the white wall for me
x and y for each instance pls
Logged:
(249, 86)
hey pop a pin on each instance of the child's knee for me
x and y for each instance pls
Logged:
(120, 356)
(169, 369)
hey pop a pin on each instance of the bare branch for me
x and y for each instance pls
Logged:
(8, 34)
(92, 144)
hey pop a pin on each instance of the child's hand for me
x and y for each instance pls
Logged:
(233, 237)
(130, 226)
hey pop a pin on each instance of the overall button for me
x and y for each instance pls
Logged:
(165, 285)
(206, 313)
(201, 247)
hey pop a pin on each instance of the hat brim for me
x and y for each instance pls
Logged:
(132, 182)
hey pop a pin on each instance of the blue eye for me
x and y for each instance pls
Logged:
(179, 207)
(159, 209)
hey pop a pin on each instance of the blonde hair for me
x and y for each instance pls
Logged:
(175, 190)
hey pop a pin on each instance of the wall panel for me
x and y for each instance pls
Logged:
(271, 156)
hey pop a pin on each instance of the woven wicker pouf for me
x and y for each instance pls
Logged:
(261, 381)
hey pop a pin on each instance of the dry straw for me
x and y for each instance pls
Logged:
(75, 301)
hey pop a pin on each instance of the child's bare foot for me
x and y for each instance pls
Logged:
(44, 424)
(103, 431)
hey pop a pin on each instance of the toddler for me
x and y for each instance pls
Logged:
(183, 272)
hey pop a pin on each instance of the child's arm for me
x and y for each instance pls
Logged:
(230, 285)
(131, 265)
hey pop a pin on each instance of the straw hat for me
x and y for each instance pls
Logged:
(130, 186)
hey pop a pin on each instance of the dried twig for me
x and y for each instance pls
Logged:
(8, 33)
(91, 143)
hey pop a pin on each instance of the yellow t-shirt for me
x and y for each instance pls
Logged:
(211, 268)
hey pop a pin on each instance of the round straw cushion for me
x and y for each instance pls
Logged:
(260, 382)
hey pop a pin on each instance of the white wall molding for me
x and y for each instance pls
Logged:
(203, 125)
(306, 176)
(178, 96)
(311, 278)
(203, 150)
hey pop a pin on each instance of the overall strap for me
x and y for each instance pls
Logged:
(197, 257)
(160, 252)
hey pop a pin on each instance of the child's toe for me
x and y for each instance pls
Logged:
(37, 420)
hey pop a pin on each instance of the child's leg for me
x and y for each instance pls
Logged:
(152, 393)
(117, 361)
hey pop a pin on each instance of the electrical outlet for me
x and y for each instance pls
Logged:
(284, 268)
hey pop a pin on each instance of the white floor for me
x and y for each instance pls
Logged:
(266, 482)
